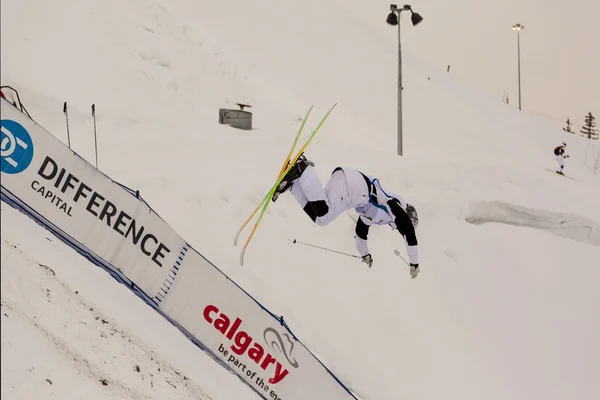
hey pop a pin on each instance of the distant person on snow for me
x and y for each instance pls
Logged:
(348, 188)
(559, 152)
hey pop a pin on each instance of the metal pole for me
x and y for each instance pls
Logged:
(95, 136)
(519, 61)
(399, 89)
(67, 119)
(324, 248)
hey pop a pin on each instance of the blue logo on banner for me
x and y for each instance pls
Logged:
(16, 147)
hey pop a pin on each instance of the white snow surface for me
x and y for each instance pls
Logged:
(503, 309)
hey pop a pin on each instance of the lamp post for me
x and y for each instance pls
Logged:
(394, 19)
(518, 27)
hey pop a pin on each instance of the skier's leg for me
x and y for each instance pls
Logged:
(322, 205)
(309, 193)
(338, 198)
(298, 194)
(561, 163)
(300, 197)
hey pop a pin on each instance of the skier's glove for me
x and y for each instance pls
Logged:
(414, 270)
(368, 260)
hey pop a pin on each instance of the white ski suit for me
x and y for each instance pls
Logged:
(560, 157)
(348, 188)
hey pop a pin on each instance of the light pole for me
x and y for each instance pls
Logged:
(518, 27)
(394, 19)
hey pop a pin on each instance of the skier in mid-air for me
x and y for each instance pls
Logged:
(348, 188)
(559, 152)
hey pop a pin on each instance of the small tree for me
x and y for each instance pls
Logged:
(589, 127)
(568, 127)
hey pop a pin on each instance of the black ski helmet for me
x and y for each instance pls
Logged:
(412, 214)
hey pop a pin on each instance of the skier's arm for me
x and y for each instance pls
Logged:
(406, 229)
(362, 230)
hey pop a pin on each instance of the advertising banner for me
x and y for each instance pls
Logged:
(87, 205)
(245, 336)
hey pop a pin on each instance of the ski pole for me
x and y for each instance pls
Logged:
(67, 119)
(324, 248)
(396, 252)
(95, 138)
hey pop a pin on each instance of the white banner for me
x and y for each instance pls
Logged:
(84, 203)
(244, 336)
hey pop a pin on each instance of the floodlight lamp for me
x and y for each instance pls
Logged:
(416, 18)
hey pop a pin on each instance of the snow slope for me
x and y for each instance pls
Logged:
(500, 310)
(66, 334)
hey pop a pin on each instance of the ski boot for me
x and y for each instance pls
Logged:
(293, 174)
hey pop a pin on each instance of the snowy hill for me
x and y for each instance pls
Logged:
(499, 310)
